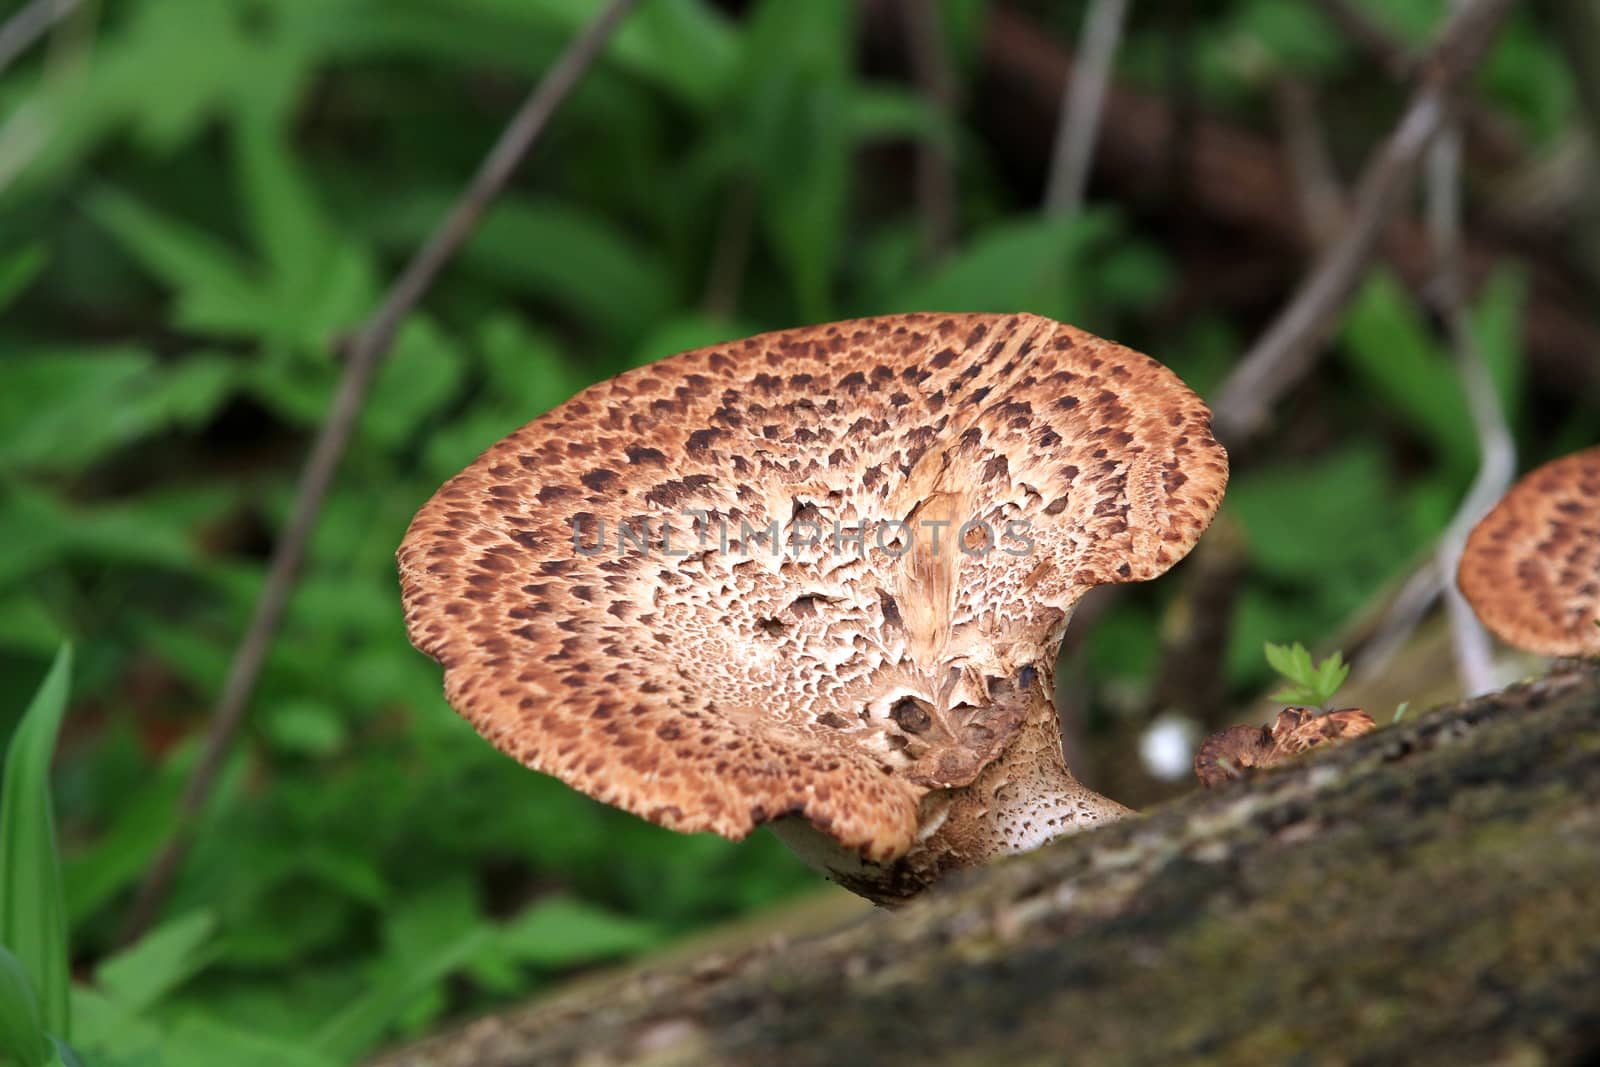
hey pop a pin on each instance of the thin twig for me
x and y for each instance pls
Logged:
(1470, 643)
(730, 256)
(1316, 183)
(25, 27)
(367, 349)
(1400, 620)
(1288, 349)
(936, 179)
(1079, 119)
(1492, 135)
(1372, 36)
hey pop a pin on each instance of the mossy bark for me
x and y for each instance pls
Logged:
(1429, 893)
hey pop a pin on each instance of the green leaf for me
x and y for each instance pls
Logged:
(18, 269)
(123, 851)
(1294, 694)
(683, 332)
(285, 219)
(100, 1023)
(1026, 265)
(794, 88)
(1281, 658)
(1330, 676)
(1313, 683)
(419, 376)
(1388, 345)
(66, 1055)
(32, 911)
(198, 1041)
(877, 113)
(139, 976)
(22, 1036)
(581, 262)
(359, 1025)
(563, 931)
(216, 289)
(63, 409)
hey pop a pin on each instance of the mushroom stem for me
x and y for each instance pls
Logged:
(1023, 799)
(1020, 801)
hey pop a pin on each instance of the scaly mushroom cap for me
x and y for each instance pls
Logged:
(1531, 568)
(709, 682)
(1225, 756)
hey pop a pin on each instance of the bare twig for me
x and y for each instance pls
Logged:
(936, 179)
(1470, 644)
(1316, 182)
(368, 348)
(731, 253)
(1491, 136)
(25, 27)
(1401, 619)
(1079, 119)
(1370, 35)
(1497, 452)
(1289, 347)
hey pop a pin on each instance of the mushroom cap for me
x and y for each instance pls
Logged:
(1228, 755)
(714, 680)
(1531, 568)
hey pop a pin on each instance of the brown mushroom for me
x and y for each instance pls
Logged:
(1228, 755)
(1531, 568)
(815, 578)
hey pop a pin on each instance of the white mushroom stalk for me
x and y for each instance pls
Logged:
(815, 578)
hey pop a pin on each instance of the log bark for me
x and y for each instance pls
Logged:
(1429, 893)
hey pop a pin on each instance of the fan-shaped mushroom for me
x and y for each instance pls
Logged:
(816, 578)
(1531, 568)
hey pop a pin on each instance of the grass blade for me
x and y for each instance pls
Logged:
(22, 1037)
(33, 922)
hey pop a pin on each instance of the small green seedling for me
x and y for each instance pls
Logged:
(1400, 712)
(1310, 684)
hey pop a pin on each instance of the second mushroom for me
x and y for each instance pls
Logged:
(815, 579)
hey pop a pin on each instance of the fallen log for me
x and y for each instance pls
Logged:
(1428, 893)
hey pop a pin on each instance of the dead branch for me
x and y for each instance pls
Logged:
(1288, 349)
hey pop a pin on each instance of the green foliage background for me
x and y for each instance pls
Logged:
(200, 198)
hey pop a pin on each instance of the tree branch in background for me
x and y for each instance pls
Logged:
(22, 29)
(936, 177)
(1315, 180)
(1497, 461)
(365, 352)
(1492, 136)
(1081, 106)
(1370, 35)
(1470, 644)
(731, 253)
(1288, 349)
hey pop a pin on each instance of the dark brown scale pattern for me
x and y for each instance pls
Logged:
(710, 691)
(1531, 568)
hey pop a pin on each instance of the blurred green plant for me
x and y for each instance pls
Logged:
(1311, 683)
(34, 975)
